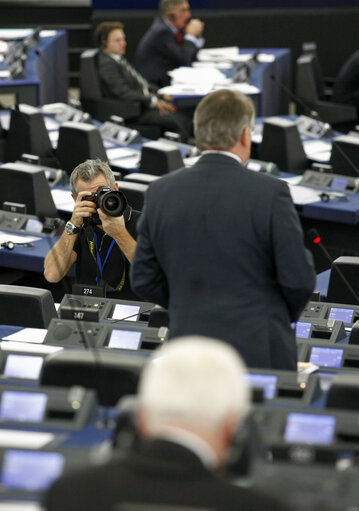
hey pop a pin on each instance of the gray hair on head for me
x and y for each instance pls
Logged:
(220, 118)
(167, 5)
(90, 169)
(195, 381)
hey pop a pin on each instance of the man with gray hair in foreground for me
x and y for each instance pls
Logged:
(192, 396)
(221, 246)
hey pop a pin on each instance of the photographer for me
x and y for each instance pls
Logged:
(102, 251)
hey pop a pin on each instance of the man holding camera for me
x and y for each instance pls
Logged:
(103, 245)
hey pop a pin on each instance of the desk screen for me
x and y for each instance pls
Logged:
(345, 315)
(125, 339)
(339, 183)
(302, 330)
(23, 366)
(33, 225)
(326, 357)
(303, 428)
(22, 406)
(267, 382)
(126, 312)
(31, 470)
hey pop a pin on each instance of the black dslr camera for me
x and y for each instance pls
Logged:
(112, 202)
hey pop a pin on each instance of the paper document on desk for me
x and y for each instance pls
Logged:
(31, 335)
(317, 149)
(29, 347)
(124, 158)
(5, 120)
(260, 57)
(218, 65)
(20, 505)
(245, 88)
(185, 90)
(197, 76)
(217, 53)
(5, 73)
(121, 152)
(50, 123)
(203, 90)
(16, 238)
(303, 195)
(265, 57)
(24, 440)
(63, 200)
(47, 33)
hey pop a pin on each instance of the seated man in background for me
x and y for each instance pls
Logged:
(192, 396)
(172, 41)
(120, 80)
(103, 251)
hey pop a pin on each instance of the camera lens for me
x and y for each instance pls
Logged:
(113, 203)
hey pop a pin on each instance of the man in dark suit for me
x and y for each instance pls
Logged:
(346, 86)
(171, 41)
(120, 80)
(192, 397)
(221, 246)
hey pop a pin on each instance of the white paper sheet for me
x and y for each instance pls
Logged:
(217, 53)
(36, 349)
(34, 335)
(316, 146)
(63, 200)
(5, 73)
(54, 137)
(303, 194)
(16, 238)
(194, 76)
(24, 439)
(19, 505)
(51, 124)
(122, 152)
(126, 163)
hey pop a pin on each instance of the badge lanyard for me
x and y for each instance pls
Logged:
(100, 264)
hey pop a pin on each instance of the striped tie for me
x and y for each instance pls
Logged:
(139, 79)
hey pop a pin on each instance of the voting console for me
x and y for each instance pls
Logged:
(86, 334)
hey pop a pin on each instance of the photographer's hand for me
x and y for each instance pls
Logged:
(115, 227)
(62, 256)
(82, 209)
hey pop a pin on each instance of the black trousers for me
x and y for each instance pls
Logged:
(180, 121)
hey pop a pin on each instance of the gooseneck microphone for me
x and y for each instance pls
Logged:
(310, 112)
(316, 117)
(317, 240)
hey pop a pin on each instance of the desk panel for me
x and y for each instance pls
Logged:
(46, 72)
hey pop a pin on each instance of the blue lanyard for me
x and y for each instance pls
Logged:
(100, 264)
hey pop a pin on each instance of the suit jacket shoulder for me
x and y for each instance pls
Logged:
(160, 473)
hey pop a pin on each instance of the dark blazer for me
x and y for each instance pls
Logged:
(162, 473)
(222, 248)
(117, 82)
(158, 52)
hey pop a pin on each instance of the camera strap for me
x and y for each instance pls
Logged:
(98, 256)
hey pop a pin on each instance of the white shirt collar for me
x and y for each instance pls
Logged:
(115, 56)
(225, 153)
